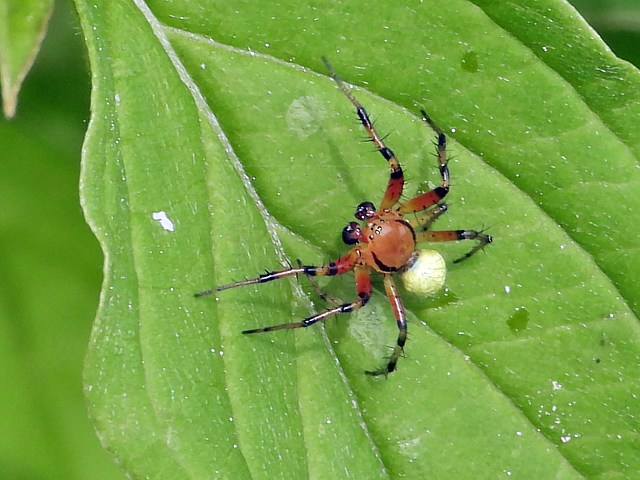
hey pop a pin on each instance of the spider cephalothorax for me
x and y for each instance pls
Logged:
(385, 240)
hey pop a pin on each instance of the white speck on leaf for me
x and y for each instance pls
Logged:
(164, 220)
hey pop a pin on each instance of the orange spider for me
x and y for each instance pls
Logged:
(385, 241)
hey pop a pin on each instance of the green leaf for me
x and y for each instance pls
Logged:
(221, 118)
(23, 24)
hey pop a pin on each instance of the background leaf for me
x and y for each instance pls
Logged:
(50, 273)
(23, 24)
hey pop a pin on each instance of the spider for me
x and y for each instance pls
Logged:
(384, 240)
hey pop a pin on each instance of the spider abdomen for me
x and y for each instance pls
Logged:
(390, 241)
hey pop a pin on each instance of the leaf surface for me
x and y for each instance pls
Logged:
(219, 147)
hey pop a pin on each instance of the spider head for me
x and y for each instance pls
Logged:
(365, 211)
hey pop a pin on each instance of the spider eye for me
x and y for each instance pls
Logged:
(365, 210)
(351, 233)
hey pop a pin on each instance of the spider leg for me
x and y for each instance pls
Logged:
(401, 320)
(396, 179)
(454, 235)
(363, 286)
(432, 197)
(338, 267)
(319, 291)
(423, 220)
